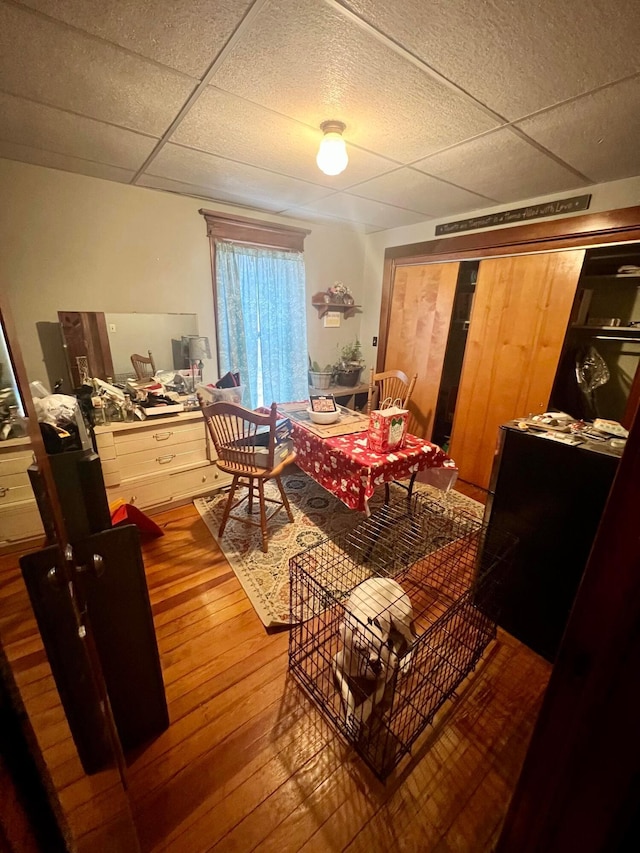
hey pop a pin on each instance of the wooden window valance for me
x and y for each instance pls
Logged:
(254, 232)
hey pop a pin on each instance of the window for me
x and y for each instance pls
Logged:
(259, 295)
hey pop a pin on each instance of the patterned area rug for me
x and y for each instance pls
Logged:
(317, 515)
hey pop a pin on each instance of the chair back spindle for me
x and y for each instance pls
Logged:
(391, 383)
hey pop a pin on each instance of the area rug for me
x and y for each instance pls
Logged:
(317, 516)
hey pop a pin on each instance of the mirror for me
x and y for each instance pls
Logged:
(102, 344)
(45, 774)
(139, 333)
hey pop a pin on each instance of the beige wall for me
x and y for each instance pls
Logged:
(611, 196)
(70, 242)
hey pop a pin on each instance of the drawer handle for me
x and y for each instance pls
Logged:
(162, 460)
(3, 491)
(162, 436)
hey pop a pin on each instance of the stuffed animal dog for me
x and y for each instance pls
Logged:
(377, 611)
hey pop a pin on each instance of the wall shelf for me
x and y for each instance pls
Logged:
(319, 303)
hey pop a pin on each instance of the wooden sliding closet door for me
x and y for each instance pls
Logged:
(520, 315)
(419, 318)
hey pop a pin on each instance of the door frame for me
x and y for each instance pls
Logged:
(593, 229)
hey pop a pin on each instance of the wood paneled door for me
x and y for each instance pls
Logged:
(419, 318)
(520, 315)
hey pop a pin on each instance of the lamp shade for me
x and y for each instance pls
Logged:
(332, 157)
(199, 348)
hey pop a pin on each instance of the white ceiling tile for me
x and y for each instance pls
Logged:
(418, 192)
(308, 62)
(183, 34)
(220, 123)
(38, 126)
(12, 151)
(239, 179)
(46, 61)
(198, 191)
(598, 134)
(304, 214)
(502, 166)
(516, 57)
(354, 209)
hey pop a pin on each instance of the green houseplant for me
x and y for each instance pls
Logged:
(319, 377)
(350, 364)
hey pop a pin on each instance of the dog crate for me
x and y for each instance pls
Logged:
(441, 558)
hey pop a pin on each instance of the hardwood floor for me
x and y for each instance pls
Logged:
(249, 764)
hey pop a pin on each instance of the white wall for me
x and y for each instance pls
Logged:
(70, 242)
(75, 243)
(611, 196)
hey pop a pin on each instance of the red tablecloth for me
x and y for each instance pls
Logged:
(348, 469)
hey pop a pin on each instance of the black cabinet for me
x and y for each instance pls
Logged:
(551, 496)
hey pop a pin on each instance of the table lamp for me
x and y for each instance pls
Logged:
(198, 349)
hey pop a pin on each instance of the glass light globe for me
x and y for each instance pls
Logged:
(332, 155)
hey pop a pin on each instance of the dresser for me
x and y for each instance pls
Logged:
(19, 515)
(159, 462)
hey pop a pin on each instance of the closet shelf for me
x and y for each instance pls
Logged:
(609, 275)
(632, 331)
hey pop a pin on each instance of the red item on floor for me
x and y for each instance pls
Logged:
(124, 513)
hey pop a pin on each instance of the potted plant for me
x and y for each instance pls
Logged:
(320, 377)
(350, 364)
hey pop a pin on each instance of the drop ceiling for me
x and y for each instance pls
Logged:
(450, 105)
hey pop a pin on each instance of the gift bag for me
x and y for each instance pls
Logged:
(388, 426)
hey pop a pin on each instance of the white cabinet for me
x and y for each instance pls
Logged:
(19, 515)
(155, 463)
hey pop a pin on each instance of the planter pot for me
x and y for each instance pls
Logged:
(320, 381)
(349, 378)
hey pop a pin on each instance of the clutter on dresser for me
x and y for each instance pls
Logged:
(228, 389)
(12, 421)
(562, 427)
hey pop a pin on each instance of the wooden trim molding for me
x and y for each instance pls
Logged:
(256, 232)
(612, 226)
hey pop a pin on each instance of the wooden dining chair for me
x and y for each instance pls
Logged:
(245, 443)
(390, 383)
(143, 366)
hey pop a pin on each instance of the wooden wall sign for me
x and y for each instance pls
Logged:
(520, 214)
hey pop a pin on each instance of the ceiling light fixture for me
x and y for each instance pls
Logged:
(332, 155)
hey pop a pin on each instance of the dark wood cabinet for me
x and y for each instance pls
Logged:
(550, 496)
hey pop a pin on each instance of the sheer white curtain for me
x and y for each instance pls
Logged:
(262, 321)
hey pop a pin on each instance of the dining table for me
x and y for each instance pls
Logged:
(338, 457)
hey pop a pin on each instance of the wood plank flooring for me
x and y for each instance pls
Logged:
(249, 764)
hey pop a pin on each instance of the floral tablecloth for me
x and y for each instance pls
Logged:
(348, 469)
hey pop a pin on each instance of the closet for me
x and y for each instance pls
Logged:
(493, 322)
(602, 344)
(498, 332)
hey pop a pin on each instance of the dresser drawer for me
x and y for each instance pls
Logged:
(142, 492)
(15, 462)
(15, 488)
(20, 521)
(162, 459)
(158, 438)
(197, 481)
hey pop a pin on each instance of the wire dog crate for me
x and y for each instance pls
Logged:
(376, 665)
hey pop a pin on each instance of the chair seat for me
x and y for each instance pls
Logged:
(255, 470)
